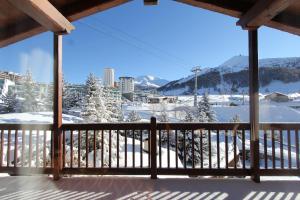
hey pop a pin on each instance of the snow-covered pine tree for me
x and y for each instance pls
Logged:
(48, 101)
(113, 106)
(164, 118)
(29, 103)
(204, 106)
(185, 138)
(133, 116)
(94, 109)
(10, 102)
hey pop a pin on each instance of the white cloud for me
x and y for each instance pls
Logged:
(39, 62)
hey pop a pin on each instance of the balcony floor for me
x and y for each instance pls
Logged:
(107, 187)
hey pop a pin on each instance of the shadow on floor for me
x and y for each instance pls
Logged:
(106, 187)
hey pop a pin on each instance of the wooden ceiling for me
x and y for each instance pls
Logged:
(284, 15)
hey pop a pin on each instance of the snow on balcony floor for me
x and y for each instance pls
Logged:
(108, 187)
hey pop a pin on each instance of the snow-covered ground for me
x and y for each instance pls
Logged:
(269, 112)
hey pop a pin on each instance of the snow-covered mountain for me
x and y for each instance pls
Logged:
(150, 81)
(232, 76)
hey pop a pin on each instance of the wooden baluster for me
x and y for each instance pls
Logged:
(168, 147)
(30, 147)
(265, 149)
(44, 149)
(71, 149)
(297, 148)
(64, 148)
(133, 149)
(226, 149)
(218, 148)
(141, 148)
(289, 149)
(16, 149)
(23, 148)
(52, 148)
(176, 149)
(1, 154)
(109, 161)
(184, 150)
(234, 146)
(281, 150)
(201, 147)
(37, 149)
(125, 148)
(118, 146)
(149, 145)
(86, 148)
(193, 150)
(79, 147)
(209, 150)
(273, 149)
(159, 142)
(95, 149)
(244, 148)
(102, 148)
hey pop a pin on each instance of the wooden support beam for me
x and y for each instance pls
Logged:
(254, 103)
(262, 12)
(284, 21)
(28, 27)
(45, 14)
(150, 2)
(57, 106)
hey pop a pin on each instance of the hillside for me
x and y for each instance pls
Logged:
(232, 77)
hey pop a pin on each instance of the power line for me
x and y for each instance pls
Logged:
(96, 29)
(118, 30)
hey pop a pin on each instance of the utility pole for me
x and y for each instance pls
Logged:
(195, 70)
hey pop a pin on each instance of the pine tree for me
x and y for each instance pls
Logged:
(10, 102)
(133, 116)
(48, 101)
(29, 103)
(185, 138)
(94, 106)
(164, 118)
(204, 106)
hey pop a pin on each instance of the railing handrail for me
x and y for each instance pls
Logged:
(160, 125)
(26, 126)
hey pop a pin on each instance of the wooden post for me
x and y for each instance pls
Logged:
(57, 105)
(254, 103)
(153, 149)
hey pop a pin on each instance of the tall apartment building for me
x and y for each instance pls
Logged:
(126, 84)
(109, 77)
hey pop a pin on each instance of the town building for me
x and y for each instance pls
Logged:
(277, 97)
(109, 77)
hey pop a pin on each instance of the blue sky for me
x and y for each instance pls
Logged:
(165, 41)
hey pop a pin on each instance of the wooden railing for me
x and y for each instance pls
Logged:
(217, 149)
(26, 148)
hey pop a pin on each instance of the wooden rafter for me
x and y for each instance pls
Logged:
(150, 2)
(28, 27)
(284, 21)
(262, 12)
(43, 12)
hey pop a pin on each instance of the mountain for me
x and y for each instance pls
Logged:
(149, 82)
(232, 77)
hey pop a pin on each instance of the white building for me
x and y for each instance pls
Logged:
(109, 77)
(126, 85)
(4, 86)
